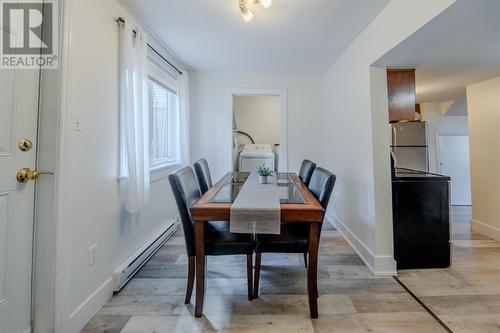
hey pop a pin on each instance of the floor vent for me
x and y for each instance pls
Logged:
(132, 265)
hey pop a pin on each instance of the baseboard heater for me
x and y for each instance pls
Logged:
(132, 265)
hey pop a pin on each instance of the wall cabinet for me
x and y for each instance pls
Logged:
(401, 93)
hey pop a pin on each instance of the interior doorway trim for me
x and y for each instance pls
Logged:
(228, 119)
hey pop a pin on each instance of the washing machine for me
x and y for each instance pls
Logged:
(255, 155)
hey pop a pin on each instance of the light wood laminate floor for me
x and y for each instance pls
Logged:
(465, 297)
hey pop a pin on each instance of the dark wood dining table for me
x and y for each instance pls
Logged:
(299, 205)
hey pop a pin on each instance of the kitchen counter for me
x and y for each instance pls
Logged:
(403, 174)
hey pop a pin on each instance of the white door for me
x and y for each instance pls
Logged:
(18, 121)
(454, 161)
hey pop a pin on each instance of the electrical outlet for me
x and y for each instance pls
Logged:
(92, 254)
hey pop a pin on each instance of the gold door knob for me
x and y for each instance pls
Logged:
(25, 144)
(26, 174)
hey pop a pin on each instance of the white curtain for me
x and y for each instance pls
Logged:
(134, 118)
(183, 91)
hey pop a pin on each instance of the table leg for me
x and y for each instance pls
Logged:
(312, 270)
(199, 236)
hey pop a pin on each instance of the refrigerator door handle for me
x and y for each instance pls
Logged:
(394, 137)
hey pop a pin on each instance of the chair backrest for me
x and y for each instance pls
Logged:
(321, 185)
(203, 175)
(306, 171)
(186, 193)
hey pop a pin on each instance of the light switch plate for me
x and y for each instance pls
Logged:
(78, 122)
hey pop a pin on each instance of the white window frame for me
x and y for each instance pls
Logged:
(159, 76)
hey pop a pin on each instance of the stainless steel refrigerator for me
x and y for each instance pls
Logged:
(409, 145)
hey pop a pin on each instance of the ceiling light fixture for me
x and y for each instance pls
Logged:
(245, 12)
(266, 3)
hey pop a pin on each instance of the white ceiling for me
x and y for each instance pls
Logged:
(293, 36)
(459, 47)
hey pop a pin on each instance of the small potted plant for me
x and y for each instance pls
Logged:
(264, 172)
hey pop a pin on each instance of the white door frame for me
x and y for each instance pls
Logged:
(228, 119)
(45, 308)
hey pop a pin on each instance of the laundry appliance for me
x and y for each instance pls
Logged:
(255, 155)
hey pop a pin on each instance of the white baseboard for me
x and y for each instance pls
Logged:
(88, 308)
(85, 311)
(379, 265)
(486, 230)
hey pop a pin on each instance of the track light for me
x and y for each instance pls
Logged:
(245, 12)
(266, 3)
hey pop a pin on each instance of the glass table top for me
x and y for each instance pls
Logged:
(288, 191)
(284, 178)
(239, 177)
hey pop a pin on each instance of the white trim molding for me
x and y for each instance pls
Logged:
(282, 94)
(62, 259)
(87, 309)
(380, 266)
(486, 229)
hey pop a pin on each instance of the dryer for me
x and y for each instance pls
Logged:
(255, 155)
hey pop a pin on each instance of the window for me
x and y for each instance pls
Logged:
(164, 119)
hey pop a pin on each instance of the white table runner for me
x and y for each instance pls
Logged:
(257, 207)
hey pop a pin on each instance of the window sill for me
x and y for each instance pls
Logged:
(162, 171)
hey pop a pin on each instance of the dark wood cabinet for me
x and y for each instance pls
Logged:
(421, 222)
(401, 93)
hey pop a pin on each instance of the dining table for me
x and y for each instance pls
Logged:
(297, 205)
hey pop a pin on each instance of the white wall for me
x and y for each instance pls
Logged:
(89, 206)
(437, 124)
(259, 116)
(483, 100)
(356, 136)
(209, 118)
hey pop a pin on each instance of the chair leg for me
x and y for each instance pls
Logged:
(190, 281)
(250, 276)
(305, 259)
(258, 258)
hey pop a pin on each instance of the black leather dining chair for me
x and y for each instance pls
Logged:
(218, 240)
(294, 237)
(306, 171)
(203, 175)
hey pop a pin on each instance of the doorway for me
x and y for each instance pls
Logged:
(258, 132)
(455, 94)
(453, 160)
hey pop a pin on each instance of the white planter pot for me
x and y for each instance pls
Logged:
(263, 179)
